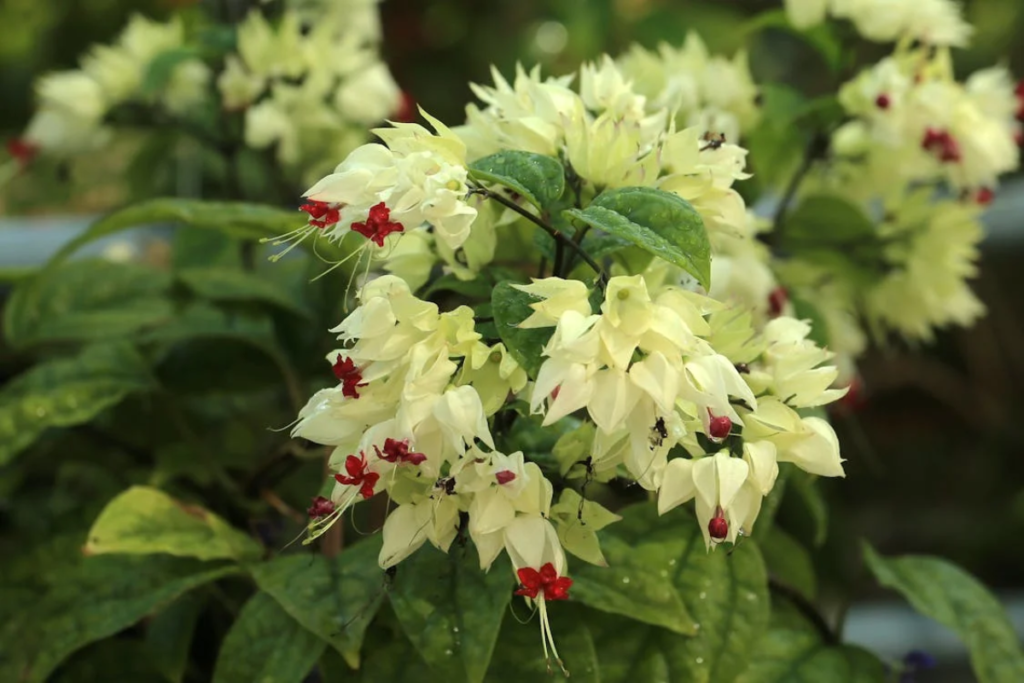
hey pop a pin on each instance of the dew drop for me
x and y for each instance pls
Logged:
(40, 412)
(672, 563)
(455, 629)
(448, 652)
(664, 573)
(625, 579)
(700, 660)
(696, 626)
(702, 595)
(751, 597)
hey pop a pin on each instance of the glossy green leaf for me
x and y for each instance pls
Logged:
(520, 657)
(789, 562)
(335, 599)
(451, 610)
(791, 651)
(144, 520)
(724, 593)
(226, 284)
(169, 636)
(577, 521)
(103, 596)
(946, 593)
(511, 307)
(86, 300)
(67, 392)
(265, 645)
(659, 222)
(196, 248)
(539, 179)
(828, 219)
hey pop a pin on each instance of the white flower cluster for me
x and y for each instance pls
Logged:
(311, 82)
(700, 89)
(934, 22)
(73, 105)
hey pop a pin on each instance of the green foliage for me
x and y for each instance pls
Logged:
(266, 645)
(789, 562)
(68, 392)
(451, 610)
(143, 520)
(714, 603)
(792, 651)
(659, 222)
(335, 599)
(160, 70)
(516, 659)
(169, 636)
(537, 178)
(105, 595)
(231, 285)
(952, 597)
(511, 307)
(87, 301)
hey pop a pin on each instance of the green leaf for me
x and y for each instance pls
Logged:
(225, 284)
(520, 656)
(946, 593)
(659, 222)
(144, 520)
(806, 491)
(161, 68)
(828, 219)
(103, 596)
(724, 594)
(109, 660)
(539, 179)
(267, 646)
(451, 610)
(86, 300)
(169, 636)
(335, 599)
(804, 310)
(236, 219)
(821, 37)
(195, 248)
(791, 651)
(511, 307)
(639, 579)
(577, 521)
(789, 562)
(68, 392)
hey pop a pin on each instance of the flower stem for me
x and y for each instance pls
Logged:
(561, 241)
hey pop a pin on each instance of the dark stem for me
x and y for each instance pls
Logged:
(806, 608)
(815, 149)
(560, 239)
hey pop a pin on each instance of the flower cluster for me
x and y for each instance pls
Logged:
(306, 85)
(311, 83)
(74, 106)
(935, 22)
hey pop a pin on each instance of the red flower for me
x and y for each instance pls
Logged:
(321, 214)
(406, 109)
(1019, 92)
(359, 474)
(22, 150)
(398, 451)
(777, 301)
(349, 375)
(378, 225)
(505, 476)
(883, 101)
(321, 507)
(941, 144)
(546, 581)
(984, 196)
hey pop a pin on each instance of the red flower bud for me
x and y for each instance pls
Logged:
(883, 101)
(720, 427)
(718, 528)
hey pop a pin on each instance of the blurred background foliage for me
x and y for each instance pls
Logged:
(934, 452)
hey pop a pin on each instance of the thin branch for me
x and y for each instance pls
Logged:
(560, 238)
(814, 150)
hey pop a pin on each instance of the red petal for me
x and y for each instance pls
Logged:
(354, 466)
(559, 589)
(548, 574)
(529, 578)
(347, 481)
(528, 592)
(505, 476)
